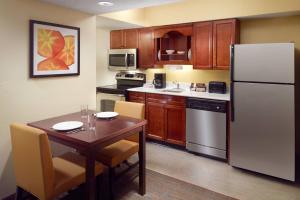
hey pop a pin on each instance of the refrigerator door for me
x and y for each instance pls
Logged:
(270, 63)
(263, 133)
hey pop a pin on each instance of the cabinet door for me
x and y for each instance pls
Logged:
(202, 45)
(175, 124)
(130, 38)
(146, 48)
(224, 34)
(116, 39)
(156, 120)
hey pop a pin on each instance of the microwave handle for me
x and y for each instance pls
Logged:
(126, 60)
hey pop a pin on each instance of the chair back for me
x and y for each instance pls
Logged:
(131, 109)
(32, 160)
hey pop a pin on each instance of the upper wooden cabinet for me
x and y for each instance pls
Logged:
(211, 43)
(116, 39)
(146, 48)
(185, 30)
(225, 33)
(206, 45)
(175, 38)
(130, 38)
(124, 39)
(202, 45)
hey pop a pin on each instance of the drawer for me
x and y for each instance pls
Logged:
(138, 97)
(166, 99)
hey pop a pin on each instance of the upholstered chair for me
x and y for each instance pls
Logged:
(37, 172)
(117, 153)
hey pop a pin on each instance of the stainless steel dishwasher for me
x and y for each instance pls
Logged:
(206, 127)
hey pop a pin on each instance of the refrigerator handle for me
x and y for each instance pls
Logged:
(232, 82)
(231, 62)
(232, 101)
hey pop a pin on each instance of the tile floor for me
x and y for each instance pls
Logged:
(218, 176)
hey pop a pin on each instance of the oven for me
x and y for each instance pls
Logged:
(107, 95)
(122, 59)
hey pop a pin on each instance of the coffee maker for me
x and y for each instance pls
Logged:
(159, 80)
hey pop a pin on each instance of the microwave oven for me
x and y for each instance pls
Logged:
(122, 59)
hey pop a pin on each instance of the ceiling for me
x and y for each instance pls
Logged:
(91, 6)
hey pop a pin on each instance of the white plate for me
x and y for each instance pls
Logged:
(105, 115)
(68, 125)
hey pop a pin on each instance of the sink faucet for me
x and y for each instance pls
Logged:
(177, 84)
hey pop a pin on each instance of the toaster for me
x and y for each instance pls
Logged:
(217, 87)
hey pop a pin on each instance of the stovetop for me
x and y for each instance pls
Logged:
(124, 82)
(113, 89)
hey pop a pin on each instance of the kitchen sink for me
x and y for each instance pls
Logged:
(177, 90)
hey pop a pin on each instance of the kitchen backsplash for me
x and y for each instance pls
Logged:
(188, 75)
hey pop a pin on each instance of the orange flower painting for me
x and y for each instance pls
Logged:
(55, 49)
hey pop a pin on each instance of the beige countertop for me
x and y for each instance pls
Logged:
(185, 93)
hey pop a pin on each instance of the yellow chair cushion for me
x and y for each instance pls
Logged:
(116, 153)
(70, 172)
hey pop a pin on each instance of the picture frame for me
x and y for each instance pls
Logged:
(54, 50)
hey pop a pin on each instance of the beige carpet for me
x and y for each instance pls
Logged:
(161, 187)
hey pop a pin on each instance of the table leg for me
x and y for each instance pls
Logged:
(90, 179)
(142, 162)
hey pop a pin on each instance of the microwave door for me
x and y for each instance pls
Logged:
(117, 60)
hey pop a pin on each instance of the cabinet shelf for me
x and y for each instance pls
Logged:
(176, 40)
(173, 54)
(174, 62)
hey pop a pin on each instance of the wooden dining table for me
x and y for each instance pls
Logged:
(89, 141)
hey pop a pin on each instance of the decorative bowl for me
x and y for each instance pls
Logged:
(170, 51)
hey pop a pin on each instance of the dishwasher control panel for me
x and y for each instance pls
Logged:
(206, 104)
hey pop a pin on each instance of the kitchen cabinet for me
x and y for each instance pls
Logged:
(206, 45)
(175, 38)
(225, 33)
(124, 39)
(156, 120)
(116, 39)
(175, 124)
(166, 118)
(211, 43)
(146, 48)
(202, 45)
(138, 97)
(165, 115)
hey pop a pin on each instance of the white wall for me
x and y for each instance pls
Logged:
(103, 75)
(25, 100)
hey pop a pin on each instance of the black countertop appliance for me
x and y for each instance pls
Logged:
(159, 80)
(217, 87)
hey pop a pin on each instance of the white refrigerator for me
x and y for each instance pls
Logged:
(262, 136)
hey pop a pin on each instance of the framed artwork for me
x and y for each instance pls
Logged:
(54, 50)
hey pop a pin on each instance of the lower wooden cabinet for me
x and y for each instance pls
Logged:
(175, 124)
(156, 120)
(165, 115)
(138, 97)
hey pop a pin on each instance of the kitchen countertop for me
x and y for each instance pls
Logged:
(186, 93)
